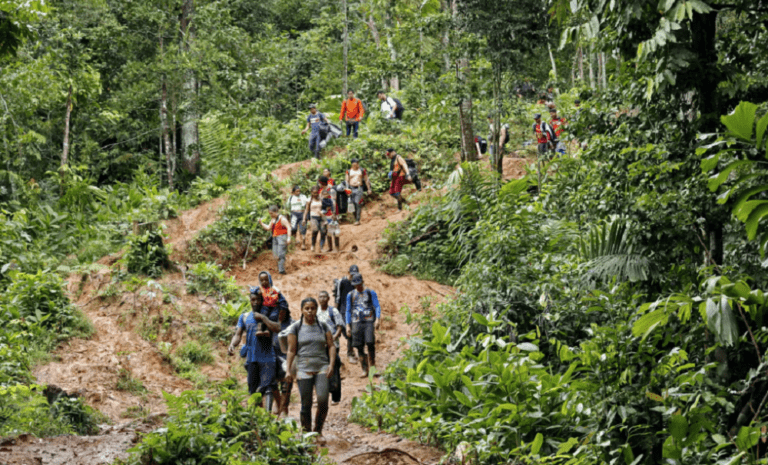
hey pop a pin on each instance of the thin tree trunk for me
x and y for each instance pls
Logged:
(605, 78)
(445, 39)
(498, 156)
(346, 48)
(469, 152)
(591, 74)
(599, 69)
(173, 129)
(169, 155)
(581, 65)
(552, 59)
(65, 151)
(371, 23)
(394, 80)
(189, 139)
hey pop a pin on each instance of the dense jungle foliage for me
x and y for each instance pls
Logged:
(610, 305)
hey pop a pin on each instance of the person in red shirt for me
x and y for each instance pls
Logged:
(279, 227)
(558, 124)
(352, 112)
(399, 175)
(544, 134)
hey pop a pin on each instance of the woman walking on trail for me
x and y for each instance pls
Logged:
(314, 214)
(310, 344)
(399, 174)
(297, 202)
(279, 226)
(356, 179)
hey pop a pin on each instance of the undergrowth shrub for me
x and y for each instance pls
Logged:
(210, 279)
(146, 254)
(222, 429)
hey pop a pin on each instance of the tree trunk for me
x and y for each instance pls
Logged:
(394, 80)
(371, 23)
(65, 151)
(189, 139)
(346, 49)
(581, 66)
(552, 59)
(591, 74)
(445, 40)
(169, 155)
(599, 69)
(468, 150)
(602, 63)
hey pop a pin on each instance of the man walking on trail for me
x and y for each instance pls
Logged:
(258, 351)
(279, 227)
(352, 112)
(399, 175)
(343, 287)
(503, 137)
(363, 318)
(356, 179)
(558, 125)
(333, 319)
(313, 122)
(391, 107)
(544, 135)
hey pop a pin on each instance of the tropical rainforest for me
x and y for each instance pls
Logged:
(609, 302)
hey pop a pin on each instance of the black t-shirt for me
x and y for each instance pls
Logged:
(345, 287)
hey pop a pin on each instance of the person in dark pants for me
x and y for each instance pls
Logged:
(399, 175)
(310, 344)
(258, 351)
(284, 399)
(343, 288)
(356, 179)
(363, 318)
(313, 122)
(391, 107)
(352, 112)
(544, 135)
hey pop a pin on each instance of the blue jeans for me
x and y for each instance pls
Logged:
(353, 125)
(314, 144)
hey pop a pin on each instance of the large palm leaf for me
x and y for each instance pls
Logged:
(610, 252)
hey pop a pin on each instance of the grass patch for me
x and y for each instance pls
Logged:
(126, 382)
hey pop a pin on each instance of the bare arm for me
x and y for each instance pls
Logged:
(404, 166)
(267, 227)
(306, 211)
(271, 325)
(502, 136)
(235, 340)
(292, 345)
(287, 225)
(368, 183)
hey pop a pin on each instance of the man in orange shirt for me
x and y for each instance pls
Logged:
(352, 112)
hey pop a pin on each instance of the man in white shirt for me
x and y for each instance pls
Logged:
(391, 107)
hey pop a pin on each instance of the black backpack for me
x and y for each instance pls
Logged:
(399, 104)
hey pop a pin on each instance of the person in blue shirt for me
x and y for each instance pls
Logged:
(363, 317)
(258, 351)
(313, 122)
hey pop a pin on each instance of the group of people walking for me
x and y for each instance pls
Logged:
(279, 349)
(352, 112)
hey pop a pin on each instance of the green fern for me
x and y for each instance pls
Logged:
(611, 253)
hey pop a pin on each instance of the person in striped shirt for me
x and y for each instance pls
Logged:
(352, 112)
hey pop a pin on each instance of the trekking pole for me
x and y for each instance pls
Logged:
(246, 249)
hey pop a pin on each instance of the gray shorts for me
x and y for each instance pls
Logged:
(363, 333)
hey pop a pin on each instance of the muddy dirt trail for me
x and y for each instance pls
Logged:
(92, 368)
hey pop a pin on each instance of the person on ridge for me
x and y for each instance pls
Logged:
(399, 175)
(333, 319)
(352, 112)
(391, 107)
(557, 124)
(310, 344)
(343, 288)
(258, 351)
(297, 202)
(363, 318)
(544, 135)
(356, 178)
(313, 122)
(503, 137)
(279, 227)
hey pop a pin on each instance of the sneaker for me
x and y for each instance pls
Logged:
(352, 359)
(283, 272)
(357, 223)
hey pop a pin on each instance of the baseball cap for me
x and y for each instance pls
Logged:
(357, 279)
(390, 150)
(354, 269)
(312, 105)
(553, 110)
(537, 116)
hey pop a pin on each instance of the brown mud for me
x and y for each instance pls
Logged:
(92, 368)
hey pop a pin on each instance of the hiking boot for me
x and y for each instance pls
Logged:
(364, 366)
